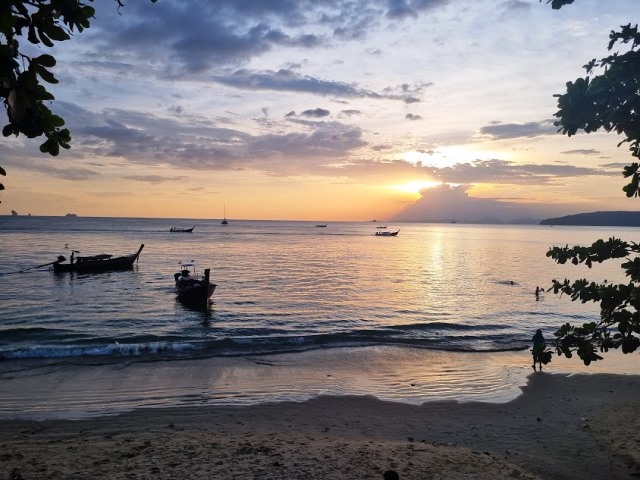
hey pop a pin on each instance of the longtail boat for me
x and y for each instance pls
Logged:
(193, 288)
(387, 234)
(182, 230)
(95, 263)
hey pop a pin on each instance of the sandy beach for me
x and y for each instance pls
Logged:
(561, 427)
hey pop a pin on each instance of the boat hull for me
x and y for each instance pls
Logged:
(196, 294)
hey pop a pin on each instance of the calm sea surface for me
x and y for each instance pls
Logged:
(283, 288)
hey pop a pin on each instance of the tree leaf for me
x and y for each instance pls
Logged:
(45, 61)
(46, 75)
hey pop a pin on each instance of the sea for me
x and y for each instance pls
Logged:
(440, 311)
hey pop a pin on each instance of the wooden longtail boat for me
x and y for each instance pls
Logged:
(182, 230)
(96, 263)
(387, 234)
(192, 288)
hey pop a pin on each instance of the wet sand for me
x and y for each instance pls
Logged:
(80, 387)
(561, 427)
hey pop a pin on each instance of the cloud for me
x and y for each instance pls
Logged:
(322, 144)
(446, 203)
(193, 142)
(153, 179)
(582, 151)
(617, 166)
(411, 116)
(449, 202)
(317, 113)
(519, 130)
(311, 147)
(324, 148)
(65, 170)
(286, 80)
(200, 36)
(350, 112)
(514, 6)
(506, 172)
(402, 9)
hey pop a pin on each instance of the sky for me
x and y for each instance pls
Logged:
(396, 110)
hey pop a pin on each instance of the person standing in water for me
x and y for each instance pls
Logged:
(539, 346)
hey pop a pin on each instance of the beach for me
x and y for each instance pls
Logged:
(581, 426)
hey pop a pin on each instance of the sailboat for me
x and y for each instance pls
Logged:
(224, 217)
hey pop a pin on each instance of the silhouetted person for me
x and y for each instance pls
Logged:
(391, 475)
(539, 346)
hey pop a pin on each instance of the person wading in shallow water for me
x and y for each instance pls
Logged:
(538, 352)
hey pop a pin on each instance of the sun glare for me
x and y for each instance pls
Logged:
(416, 186)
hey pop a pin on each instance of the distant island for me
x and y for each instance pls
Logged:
(71, 215)
(597, 219)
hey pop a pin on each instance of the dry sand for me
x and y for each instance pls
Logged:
(562, 427)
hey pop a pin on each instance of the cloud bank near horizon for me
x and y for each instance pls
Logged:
(447, 203)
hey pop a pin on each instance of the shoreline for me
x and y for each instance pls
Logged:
(73, 389)
(563, 426)
(80, 388)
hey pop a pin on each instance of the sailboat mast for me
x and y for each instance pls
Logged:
(224, 217)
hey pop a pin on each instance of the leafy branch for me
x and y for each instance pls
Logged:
(23, 79)
(608, 98)
(619, 304)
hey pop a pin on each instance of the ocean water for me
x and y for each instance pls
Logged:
(284, 290)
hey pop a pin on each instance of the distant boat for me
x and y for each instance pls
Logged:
(193, 289)
(183, 230)
(95, 263)
(382, 227)
(224, 216)
(324, 225)
(387, 234)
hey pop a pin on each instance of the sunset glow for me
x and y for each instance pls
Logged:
(345, 113)
(416, 187)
